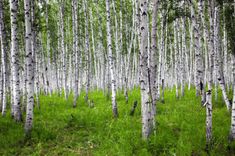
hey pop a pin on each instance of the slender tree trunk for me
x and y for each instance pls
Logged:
(87, 50)
(201, 32)
(232, 130)
(63, 51)
(15, 61)
(117, 50)
(210, 76)
(198, 57)
(75, 50)
(183, 56)
(47, 59)
(3, 60)
(218, 62)
(161, 54)
(34, 44)
(191, 52)
(153, 52)
(176, 56)
(30, 68)
(144, 71)
(111, 66)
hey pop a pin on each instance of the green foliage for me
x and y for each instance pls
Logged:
(60, 129)
(230, 24)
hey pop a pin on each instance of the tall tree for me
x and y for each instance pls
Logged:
(87, 49)
(63, 50)
(15, 61)
(146, 99)
(218, 58)
(48, 48)
(30, 67)
(110, 57)
(210, 74)
(198, 55)
(3, 58)
(75, 49)
(153, 52)
(230, 26)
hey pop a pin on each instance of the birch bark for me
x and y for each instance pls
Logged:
(111, 65)
(144, 76)
(3, 56)
(15, 61)
(30, 68)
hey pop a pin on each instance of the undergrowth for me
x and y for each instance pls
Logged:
(60, 129)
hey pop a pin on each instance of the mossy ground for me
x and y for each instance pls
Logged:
(60, 129)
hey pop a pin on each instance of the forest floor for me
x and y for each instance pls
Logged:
(60, 129)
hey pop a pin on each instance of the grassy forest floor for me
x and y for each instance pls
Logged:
(60, 129)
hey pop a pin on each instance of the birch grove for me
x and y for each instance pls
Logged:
(71, 49)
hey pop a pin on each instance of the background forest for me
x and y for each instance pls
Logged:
(117, 77)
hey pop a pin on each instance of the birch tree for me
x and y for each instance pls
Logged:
(65, 86)
(144, 76)
(110, 57)
(3, 56)
(208, 103)
(230, 27)
(153, 52)
(30, 67)
(15, 62)
(47, 59)
(218, 60)
(75, 50)
(87, 50)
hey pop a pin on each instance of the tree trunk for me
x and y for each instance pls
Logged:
(144, 71)
(198, 55)
(218, 62)
(176, 56)
(30, 68)
(111, 66)
(153, 53)
(191, 55)
(63, 51)
(3, 56)
(210, 76)
(87, 50)
(232, 130)
(15, 62)
(183, 52)
(47, 59)
(75, 50)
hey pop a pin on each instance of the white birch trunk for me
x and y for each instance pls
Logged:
(183, 56)
(63, 51)
(191, 55)
(153, 53)
(176, 56)
(210, 75)
(87, 50)
(144, 76)
(30, 68)
(232, 129)
(15, 61)
(75, 50)
(3, 61)
(47, 59)
(198, 57)
(110, 57)
(218, 62)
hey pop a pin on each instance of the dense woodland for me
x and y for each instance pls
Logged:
(143, 58)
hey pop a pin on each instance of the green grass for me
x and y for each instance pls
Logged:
(60, 129)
